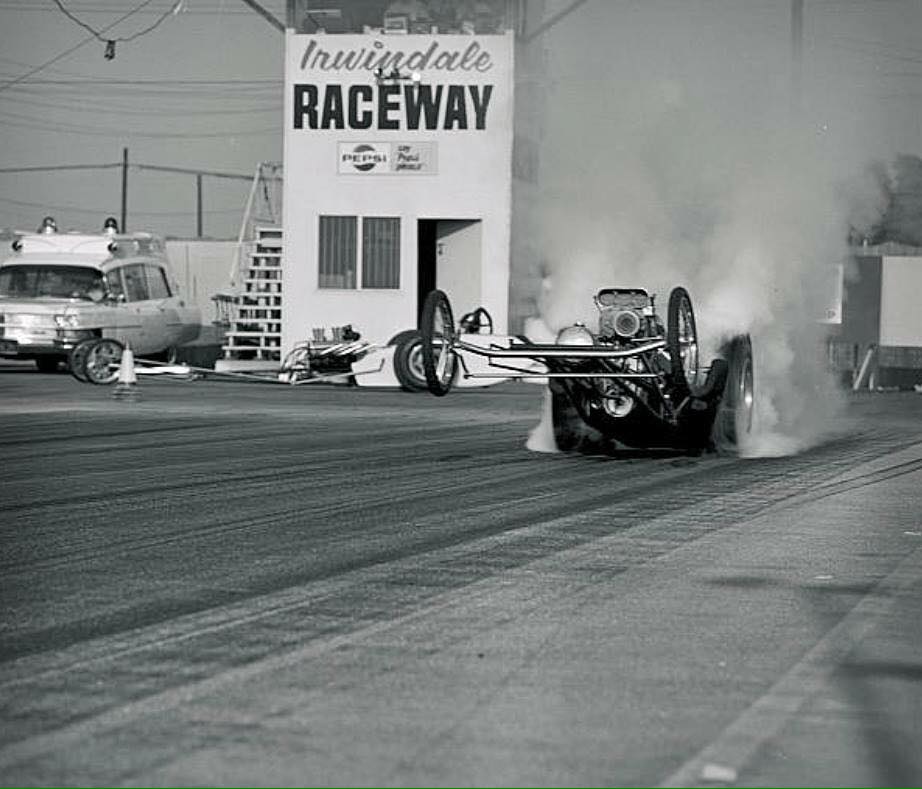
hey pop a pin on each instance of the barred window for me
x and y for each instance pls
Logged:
(337, 255)
(381, 252)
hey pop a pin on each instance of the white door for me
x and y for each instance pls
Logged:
(180, 322)
(148, 334)
(458, 263)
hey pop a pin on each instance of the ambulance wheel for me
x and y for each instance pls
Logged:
(77, 358)
(100, 364)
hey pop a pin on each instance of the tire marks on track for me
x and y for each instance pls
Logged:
(278, 467)
(311, 616)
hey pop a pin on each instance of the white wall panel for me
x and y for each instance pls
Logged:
(900, 300)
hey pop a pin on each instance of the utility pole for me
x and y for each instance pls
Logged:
(797, 56)
(198, 205)
(124, 223)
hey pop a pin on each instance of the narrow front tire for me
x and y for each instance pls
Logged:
(437, 331)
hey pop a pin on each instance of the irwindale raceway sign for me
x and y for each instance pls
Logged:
(384, 105)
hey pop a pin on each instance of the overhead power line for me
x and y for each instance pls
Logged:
(103, 211)
(111, 42)
(553, 20)
(99, 34)
(162, 111)
(199, 8)
(188, 171)
(265, 15)
(132, 166)
(74, 48)
(45, 168)
(155, 82)
(204, 91)
(18, 120)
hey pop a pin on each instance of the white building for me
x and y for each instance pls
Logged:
(875, 325)
(398, 163)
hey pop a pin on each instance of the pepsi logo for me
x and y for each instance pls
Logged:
(365, 157)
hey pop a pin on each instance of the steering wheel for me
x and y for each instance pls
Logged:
(473, 322)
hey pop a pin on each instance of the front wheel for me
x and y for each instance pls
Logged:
(437, 331)
(100, 363)
(682, 341)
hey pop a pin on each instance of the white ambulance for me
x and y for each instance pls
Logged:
(79, 299)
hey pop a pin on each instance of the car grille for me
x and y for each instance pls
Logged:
(28, 328)
(27, 320)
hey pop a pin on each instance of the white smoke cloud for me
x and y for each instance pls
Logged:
(690, 169)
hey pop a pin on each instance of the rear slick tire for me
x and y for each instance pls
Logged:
(568, 426)
(408, 363)
(737, 408)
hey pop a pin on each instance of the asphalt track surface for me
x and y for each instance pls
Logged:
(246, 584)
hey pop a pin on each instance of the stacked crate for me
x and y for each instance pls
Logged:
(256, 328)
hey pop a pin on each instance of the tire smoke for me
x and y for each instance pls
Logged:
(670, 155)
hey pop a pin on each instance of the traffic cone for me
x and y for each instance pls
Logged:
(127, 386)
